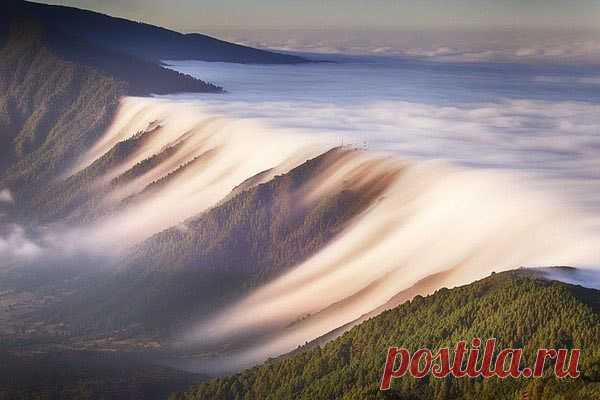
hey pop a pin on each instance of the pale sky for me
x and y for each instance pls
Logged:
(196, 15)
(448, 30)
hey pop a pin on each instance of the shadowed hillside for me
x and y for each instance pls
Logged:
(58, 94)
(147, 41)
(191, 270)
(88, 376)
(513, 307)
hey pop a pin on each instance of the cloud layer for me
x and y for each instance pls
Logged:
(453, 46)
(6, 196)
(523, 188)
(15, 246)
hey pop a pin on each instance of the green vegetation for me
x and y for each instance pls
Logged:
(58, 94)
(519, 308)
(218, 256)
(50, 110)
(78, 196)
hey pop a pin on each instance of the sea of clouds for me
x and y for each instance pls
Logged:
(524, 141)
(500, 45)
(541, 121)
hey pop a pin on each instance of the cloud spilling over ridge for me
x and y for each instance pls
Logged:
(523, 190)
(197, 159)
(208, 155)
(554, 140)
(589, 278)
(539, 121)
(433, 218)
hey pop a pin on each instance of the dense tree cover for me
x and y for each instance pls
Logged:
(62, 72)
(518, 308)
(79, 196)
(226, 251)
(57, 96)
(50, 110)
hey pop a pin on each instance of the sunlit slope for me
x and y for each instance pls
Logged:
(511, 306)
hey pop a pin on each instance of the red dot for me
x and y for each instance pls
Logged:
(527, 372)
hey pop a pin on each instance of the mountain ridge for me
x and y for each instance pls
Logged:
(350, 367)
(59, 94)
(237, 247)
(148, 41)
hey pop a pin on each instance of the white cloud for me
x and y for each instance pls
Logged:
(569, 80)
(6, 196)
(589, 278)
(592, 80)
(15, 246)
(452, 46)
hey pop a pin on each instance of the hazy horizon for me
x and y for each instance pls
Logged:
(353, 14)
(473, 31)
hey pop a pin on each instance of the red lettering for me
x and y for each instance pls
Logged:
(572, 370)
(487, 370)
(416, 361)
(515, 360)
(459, 355)
(389, 372)
(472, 370)
(442, 369)
(540, 361)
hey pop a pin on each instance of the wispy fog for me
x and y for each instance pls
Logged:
(538, 121)
(588, 278)
(6, 196)
(494, 166)
(474, 46)
(521, 188)
(434, 218)
(16, 246)
(214, 154)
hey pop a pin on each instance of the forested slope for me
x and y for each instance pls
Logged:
(58, 94)
(519, 308)
(188, 271)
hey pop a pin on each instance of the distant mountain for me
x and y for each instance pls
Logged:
(63, 72)
(144, 40)
(519, 308)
